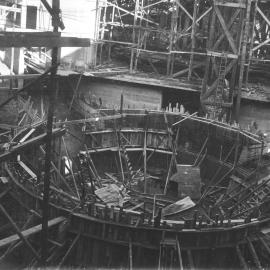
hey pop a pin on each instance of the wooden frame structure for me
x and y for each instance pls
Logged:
(215, 42)
(91, 226)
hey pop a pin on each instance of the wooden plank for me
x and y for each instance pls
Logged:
(40, 39)
(136, 206)
(27, 135)
(8, 240)
(218, 54)
(230, 4)
(11, 9)
(27, 169)
(186, 70)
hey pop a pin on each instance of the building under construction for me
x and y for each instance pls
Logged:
(135, 134)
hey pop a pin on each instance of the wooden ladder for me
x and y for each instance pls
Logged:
(221, 80)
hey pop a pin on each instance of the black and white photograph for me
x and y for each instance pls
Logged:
(134, 134)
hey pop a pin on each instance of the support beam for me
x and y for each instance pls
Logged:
(31, 231)
(55, 14)
(40, 39)
(52, 93)
(243, 59)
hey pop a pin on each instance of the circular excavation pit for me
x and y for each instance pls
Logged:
(155, 189)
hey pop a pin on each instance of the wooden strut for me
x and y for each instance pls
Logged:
(172, 161)
(185, 118)
(247, 196)
(92, 167)
(117, 134)
(265, 245)
(18, 243)
(33, 230)
(68, 251)
(254, 254)
(48, 149)
(75, 91)
(70, 168)
(21, 236)
(241, 258)
(91, 175)
(202, 148)
(59, 174)
(208, 188)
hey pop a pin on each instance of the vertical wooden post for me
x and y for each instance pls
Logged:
(235, 68)
(243, 60)
(209, 45)
(140, 37)
(133, 37)
(59, 161)
(173, 159)
(103, 31)
(110, 35)
(96, 35)
(193, 39)
(146, 33)
(251, 40)
(46, 188)
(175, 31)
(173, 22)
(21, 53)
(145, 153)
